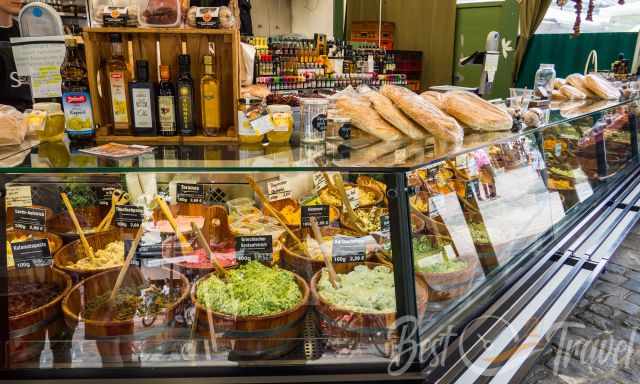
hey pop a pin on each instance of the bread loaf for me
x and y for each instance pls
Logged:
(394, 116)
(424, 113)
(601, 87)
(435, 98)
(577, 80)
(557, 95)
(572, 93)
(476, 113)
(364, 117)
(558, 83)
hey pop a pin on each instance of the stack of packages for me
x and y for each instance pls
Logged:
(396, 112)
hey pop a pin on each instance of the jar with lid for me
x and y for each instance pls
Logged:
(282, 117)
(314, 120)
(545, 76)
(339, 126)
(249, 109)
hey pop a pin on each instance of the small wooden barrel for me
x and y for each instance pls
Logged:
(361, 327)
(74, 251)
(115, 338)
(252, 337)
(294, 260)
(28, 331)
(89, 218)
(449, 285)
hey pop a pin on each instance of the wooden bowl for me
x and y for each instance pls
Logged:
(254, 337)
(342, 323)
(75, 301)
(74, 251)
(89, 218)
(28, 331)
(294, 260)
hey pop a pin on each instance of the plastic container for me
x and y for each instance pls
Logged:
(54, 123)
(250, 110)
(116, 13)
(314, 120)
(545, 76)
(282, 118)
(160, 13)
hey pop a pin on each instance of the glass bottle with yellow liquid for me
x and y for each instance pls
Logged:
(119, 77)
(210, 98)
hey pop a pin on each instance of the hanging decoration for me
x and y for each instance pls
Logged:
(578, 8)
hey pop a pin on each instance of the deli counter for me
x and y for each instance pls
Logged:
(331, 262)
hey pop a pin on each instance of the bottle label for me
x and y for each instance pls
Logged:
(167, 114)
(185, 102)
(141, 100)
(207, 17)
(115, 16)
(77, 113)
(118, 98)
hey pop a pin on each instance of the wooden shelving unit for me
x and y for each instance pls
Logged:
(227, 43)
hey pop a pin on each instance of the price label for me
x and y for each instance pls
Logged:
(385, 224)
(320, 212)
(435, 202)
(349, 249)
(262, 125)
(207, 17)
(319, 182)
(320, 122)
(451, 253)
(258, 248)
(18, 196)
(31, 254)
(557, 151)
(129, 216)
(461, 161)
(190, 193)
(279, 190)
(431, 260)
(584, 191)
(353, 195)
(30, 219)
(104, 195)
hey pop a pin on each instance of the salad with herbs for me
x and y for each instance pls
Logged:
(361, 290)
(252, 289)
(433, 258)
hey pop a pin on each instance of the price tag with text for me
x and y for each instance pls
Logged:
(279, 190)
(349, 249)
(319, 182)
(18, 196)
(258, 248)
(190, 193)
(385, 224)
(353, 195)
(129, 216)
(104, 194)
(31, 253)
(30, 219)
(320, 212)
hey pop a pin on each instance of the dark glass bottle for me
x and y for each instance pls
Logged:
(166, 104)
(143, 102)
(185, 97)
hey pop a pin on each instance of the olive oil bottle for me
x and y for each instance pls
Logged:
(119, 78)
(186, 123)
(210, 98)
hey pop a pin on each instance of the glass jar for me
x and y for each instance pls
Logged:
(314, 120)
(545, 76)
(339, 126)
(282, 118)
(249, 109)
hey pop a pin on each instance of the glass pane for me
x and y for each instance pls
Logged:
(274, 304)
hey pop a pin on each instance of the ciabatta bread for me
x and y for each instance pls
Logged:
(476, 113)
(601, 87)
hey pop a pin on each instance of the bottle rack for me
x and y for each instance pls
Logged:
(227, 43)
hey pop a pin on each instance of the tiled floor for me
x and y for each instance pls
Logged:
(601, 341)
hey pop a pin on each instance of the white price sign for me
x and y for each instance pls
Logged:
(353, 195)
(279, 190)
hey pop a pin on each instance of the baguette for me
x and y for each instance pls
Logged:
(572, 93)
(393, 115)
(477, 113)
(435, 98)
(424, 113)
(601, 87)
(577, 81)
(365, 118)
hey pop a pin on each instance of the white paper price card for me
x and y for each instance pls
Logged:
(319, 182)
(262, 125)
(18, 196)
(461, 161)
(451, 253)
(279, 190)
(584, 191)
(430, 260)
(353, 195)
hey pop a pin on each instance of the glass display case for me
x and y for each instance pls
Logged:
(319, 261)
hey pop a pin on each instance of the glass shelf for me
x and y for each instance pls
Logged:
(364, 156)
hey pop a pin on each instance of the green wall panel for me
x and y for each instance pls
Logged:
(569, 54)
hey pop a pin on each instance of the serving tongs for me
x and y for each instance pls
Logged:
(118, 197)
(83, 240)
(333, 277)
(277, 215)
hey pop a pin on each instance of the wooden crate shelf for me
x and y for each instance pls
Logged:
(227, 44)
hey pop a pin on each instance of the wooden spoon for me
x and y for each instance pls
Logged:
(333, 277)
(127, 263)
(205, 245)
(83, 240)
(186, 247)
(345, 202)
(277, 215)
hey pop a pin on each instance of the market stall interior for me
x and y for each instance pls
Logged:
(208, 203)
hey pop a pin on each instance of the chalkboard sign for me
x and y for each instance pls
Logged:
(31, 253)
(258, 248)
